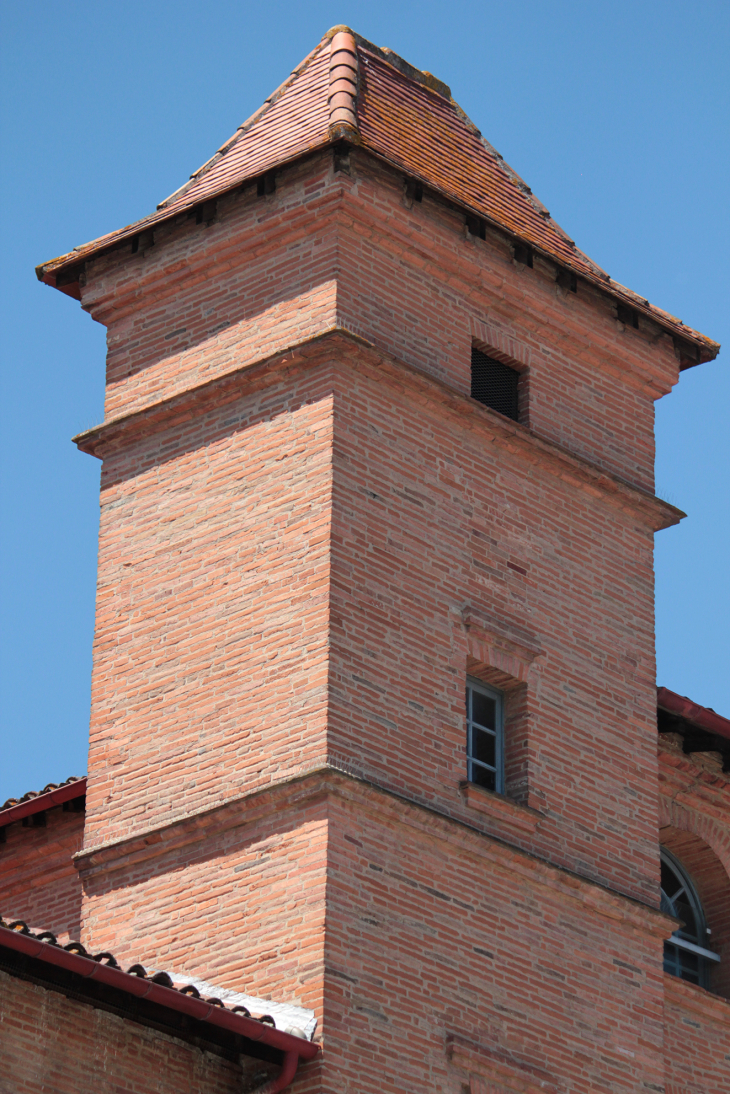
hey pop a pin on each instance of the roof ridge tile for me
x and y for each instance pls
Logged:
(344, 79)
(408, 119)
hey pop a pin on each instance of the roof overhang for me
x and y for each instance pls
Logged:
(46, 799)
(65, 272)
(701, 728)
(141, 1000)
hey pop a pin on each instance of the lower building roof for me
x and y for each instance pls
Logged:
(149, 1000)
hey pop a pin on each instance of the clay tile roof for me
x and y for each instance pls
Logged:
(108, 959)
(158, 989)
(36, 801)
(347, 88)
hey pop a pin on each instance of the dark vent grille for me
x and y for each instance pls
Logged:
(494, 384)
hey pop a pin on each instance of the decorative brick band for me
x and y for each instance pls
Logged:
(342, 99)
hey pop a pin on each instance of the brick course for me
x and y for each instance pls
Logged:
(38, 880)
(55, 1045)
(309, 535)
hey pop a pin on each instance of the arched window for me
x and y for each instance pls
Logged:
(686, 954)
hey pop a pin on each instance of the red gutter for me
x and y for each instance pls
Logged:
(683, 707)
(294, 1048)
(41, 802)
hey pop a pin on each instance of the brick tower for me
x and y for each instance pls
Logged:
(378, 436)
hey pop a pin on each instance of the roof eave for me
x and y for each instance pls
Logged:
(63, 273)
(43, 801)
(84, 970)
(703, 717)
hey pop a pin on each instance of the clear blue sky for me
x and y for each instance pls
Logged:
(616, 114)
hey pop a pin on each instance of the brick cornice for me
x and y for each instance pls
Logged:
(327, 780)
(163, 278)
(594, 480)
(467, 269)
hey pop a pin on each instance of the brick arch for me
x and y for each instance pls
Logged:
(716, 836)
(703, 849)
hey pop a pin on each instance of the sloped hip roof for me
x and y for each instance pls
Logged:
(347, 88)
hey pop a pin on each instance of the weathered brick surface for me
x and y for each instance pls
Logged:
(411, 282)
(435, 933)
(209, 298)
(38, 881)
(210, 654)
(696, 1039)
(217, 578)
(55, 1045)
(336, 249)
(308, 538)
(419, 533)
(237, 899)
(431, 931)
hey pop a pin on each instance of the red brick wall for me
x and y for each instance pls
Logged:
(413, 284)
(327, 249)
(55, 1045)
(401, 929)
(696, 1039)
(437, 933)
(38, 881)
(201, 650)
(210, 652)
(236, 898)
(213, 664)
(206, 299)
(437, 507)
(285, 564)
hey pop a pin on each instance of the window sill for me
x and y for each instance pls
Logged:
(499, 807)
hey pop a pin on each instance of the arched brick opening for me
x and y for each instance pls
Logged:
(711, 879)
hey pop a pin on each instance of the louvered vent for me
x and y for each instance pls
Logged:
(494, 384)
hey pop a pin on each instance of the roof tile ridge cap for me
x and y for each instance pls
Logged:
(344, 85)
(244, 127)
(390, 57)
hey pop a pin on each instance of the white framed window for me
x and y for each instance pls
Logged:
(484, 735)
(687, 953)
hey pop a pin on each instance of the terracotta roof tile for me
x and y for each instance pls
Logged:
(91, 978)
(48, 796)
(108, 959)
(403, 116)
(428, 136)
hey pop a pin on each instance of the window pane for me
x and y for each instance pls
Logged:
(482, 777)
(671, 959)
(483, 746)
(483, 710)
(690, 964)
(683, 910)
(670, 883)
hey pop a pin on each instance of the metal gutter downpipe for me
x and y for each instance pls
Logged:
(284, 1078)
